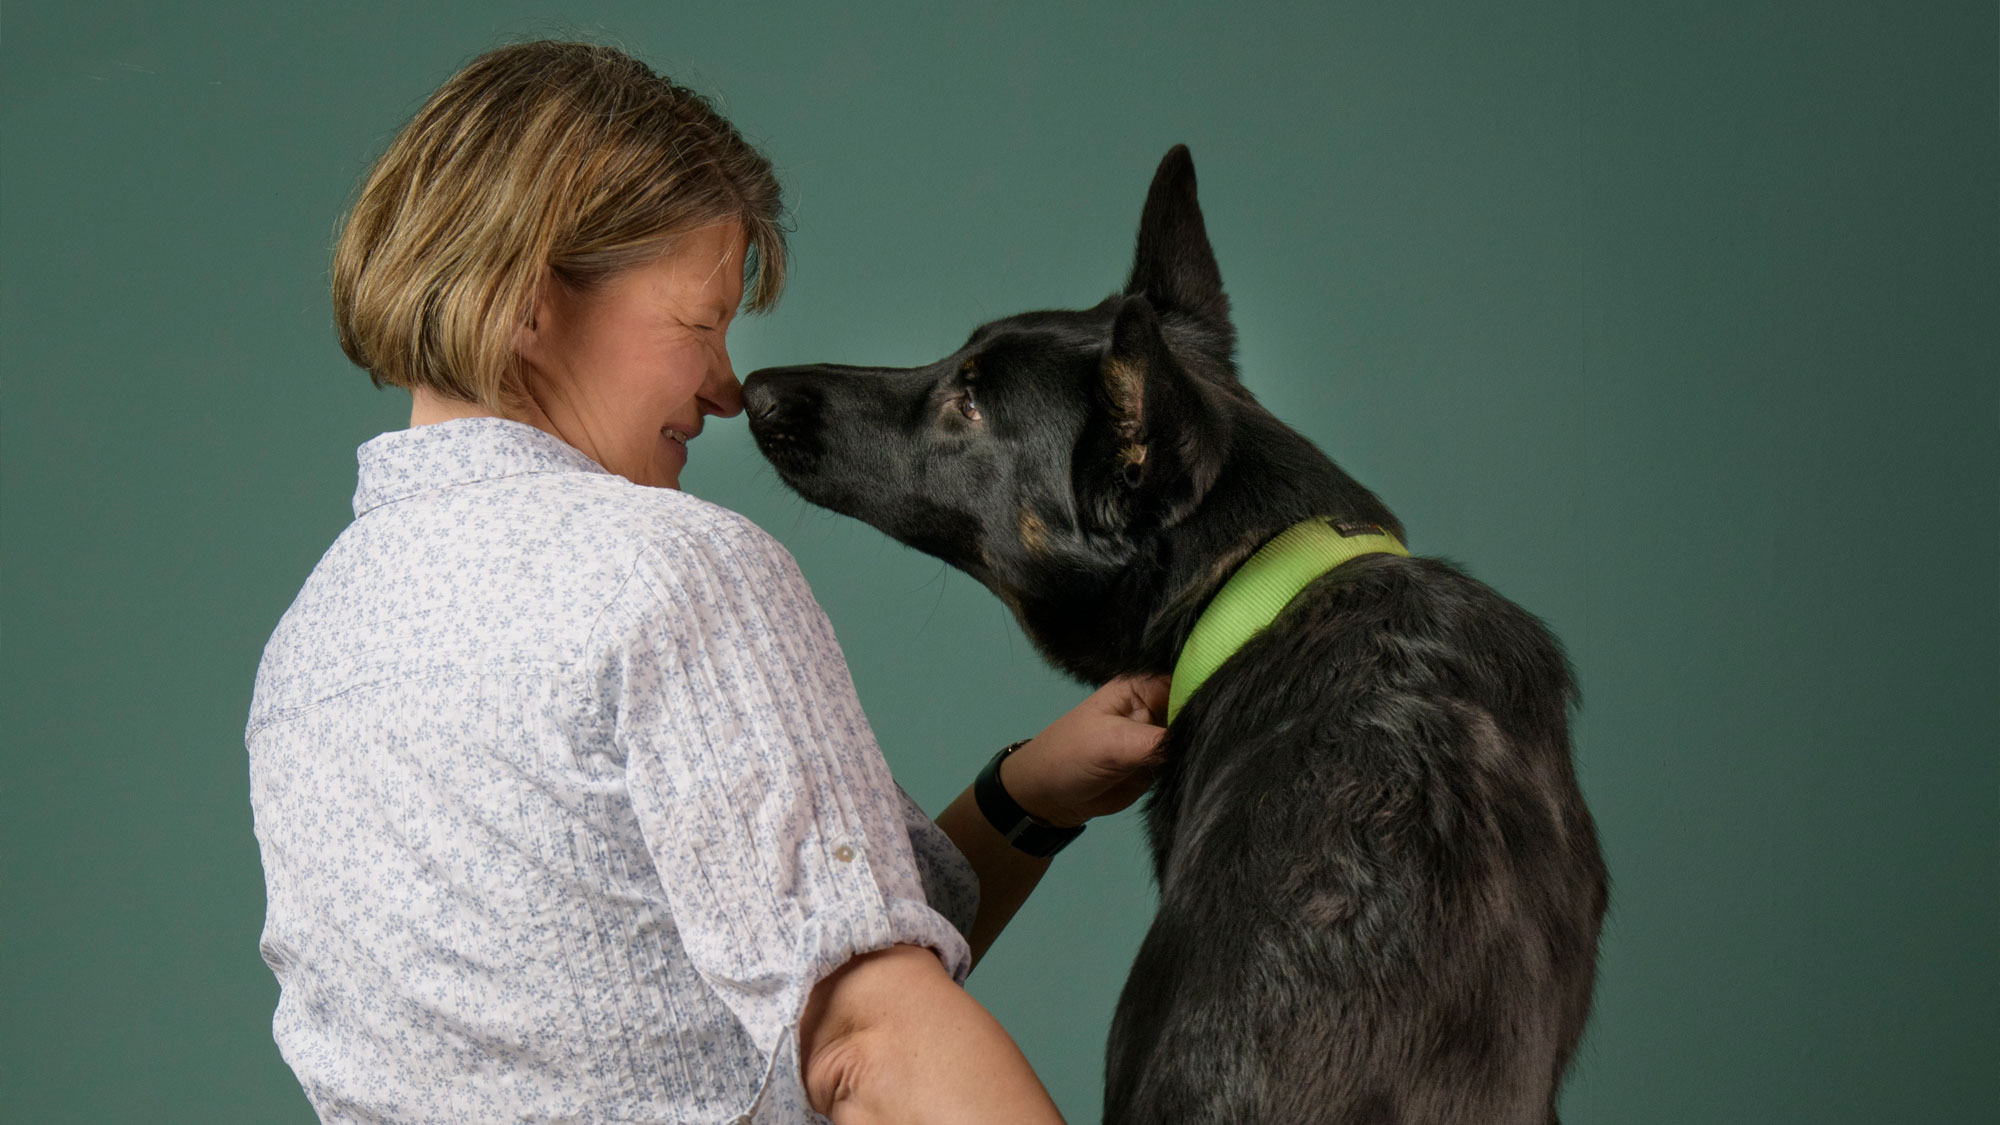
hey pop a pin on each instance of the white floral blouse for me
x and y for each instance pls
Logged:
(565, 800)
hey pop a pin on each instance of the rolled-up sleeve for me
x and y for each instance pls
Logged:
(770, 814)
(950, 883)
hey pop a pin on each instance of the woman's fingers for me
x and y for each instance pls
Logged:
(1099, 757)
(1137, 701)
(1134, 744)
(1140, 698)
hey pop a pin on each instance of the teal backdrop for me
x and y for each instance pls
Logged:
(1674, 321)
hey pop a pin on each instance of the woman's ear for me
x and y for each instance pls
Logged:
(531, 337)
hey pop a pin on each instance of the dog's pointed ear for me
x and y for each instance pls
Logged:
(1173, 265)
(1166, 440)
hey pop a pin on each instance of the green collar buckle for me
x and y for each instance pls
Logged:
(1262, 587)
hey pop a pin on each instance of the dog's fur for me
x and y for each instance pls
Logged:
(1380, 890)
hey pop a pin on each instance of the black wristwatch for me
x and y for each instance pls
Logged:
(1035, 837)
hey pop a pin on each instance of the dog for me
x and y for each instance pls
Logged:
(1380, 890)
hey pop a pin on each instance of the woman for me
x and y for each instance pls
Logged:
(566, 806)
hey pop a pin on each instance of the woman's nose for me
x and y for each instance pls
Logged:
(723, 395)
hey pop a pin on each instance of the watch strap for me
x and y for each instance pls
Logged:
(1027, 834)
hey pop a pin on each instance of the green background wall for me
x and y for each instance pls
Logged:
(1674, 321)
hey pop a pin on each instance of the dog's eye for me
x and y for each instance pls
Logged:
(968, 407)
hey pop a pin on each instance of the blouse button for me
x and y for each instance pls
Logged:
(844, 854)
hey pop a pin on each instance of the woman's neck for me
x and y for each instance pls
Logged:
(428, 407)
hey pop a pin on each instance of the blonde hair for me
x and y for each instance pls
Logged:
(568, 159)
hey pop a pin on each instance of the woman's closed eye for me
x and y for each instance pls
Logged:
(711, 320)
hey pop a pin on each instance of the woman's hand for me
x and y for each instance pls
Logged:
(1095, 760)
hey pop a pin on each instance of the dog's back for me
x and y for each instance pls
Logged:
(1379, 887)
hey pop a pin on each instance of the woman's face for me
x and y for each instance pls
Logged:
(628, 372)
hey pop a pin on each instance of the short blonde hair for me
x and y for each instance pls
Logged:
(566, 159)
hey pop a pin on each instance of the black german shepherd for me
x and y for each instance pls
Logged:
(1380, 890)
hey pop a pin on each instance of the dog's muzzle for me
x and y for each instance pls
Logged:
(783, 408)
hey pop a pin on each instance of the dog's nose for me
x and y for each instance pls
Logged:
(775, 394)
(760, 399)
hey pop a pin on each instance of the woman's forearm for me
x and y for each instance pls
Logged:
(892, 1038)
(1095, 760)
(1006, 875)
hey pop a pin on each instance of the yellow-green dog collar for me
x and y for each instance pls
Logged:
(1260, 589)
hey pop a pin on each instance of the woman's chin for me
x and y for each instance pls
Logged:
(668, 463)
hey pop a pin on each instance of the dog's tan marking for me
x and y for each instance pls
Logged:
(1125, 385)
(1034, 533)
